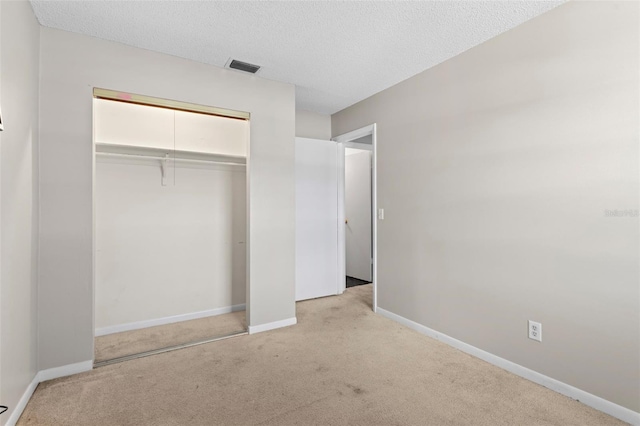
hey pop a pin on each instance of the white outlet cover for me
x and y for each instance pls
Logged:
(535, 331)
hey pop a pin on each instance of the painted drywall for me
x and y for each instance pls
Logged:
(313, 125)
(130, 124)
(163, 251)
(122, 123)
(500, 172)
(71, 65)
(357, 201)
(19, 193)
(209, 133)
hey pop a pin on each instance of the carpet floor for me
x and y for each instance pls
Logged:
(341, 365)
(147, 339)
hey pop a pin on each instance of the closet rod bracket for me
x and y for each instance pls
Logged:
(163, 169)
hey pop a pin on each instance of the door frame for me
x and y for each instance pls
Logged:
(346, 140)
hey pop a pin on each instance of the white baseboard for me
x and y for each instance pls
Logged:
(272, 325)
(65, 370)
(43, 376)
(586, 398)
(103, 331)
(19, 408)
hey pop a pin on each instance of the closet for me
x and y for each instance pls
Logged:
(170, 226)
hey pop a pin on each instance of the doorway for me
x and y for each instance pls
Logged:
(170, 225)
(357, 209)
(358, 226)
(321, 221)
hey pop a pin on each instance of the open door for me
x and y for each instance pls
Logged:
(316, 218)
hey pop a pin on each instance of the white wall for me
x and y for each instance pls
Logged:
(167, 250)
(357, 183)
(123, 123)
(209, 133)
(19, 67)
(71, 66)
(313, 125)
(495, 169)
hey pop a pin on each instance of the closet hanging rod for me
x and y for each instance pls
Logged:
(153, 152)
(155, 157)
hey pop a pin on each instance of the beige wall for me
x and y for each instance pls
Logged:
(495, 169)
(19, 194)
(71, 65)
(313, 125)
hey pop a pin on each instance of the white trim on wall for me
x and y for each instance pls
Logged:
(65, 370)
(356, 134)
(103, 331)
(358, 145)
(342, 232)
(43, 376)
(584, 397)
(374, 212)
(272, 325)
(346, 140)
(26, 396)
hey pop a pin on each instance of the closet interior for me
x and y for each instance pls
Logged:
(170, 203)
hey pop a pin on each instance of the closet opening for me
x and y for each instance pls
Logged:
(358, 212)
(170, 225)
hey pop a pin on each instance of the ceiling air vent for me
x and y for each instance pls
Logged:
(243, 66)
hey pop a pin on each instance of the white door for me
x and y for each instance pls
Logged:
(316, 218)
(357, 184)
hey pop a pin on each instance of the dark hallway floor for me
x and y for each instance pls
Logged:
(352, 282)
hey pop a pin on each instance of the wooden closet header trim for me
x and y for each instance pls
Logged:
(167, 103)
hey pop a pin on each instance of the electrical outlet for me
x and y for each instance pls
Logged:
(535, 331)
(381, 214)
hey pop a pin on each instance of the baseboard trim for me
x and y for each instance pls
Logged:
(43, 376)
(272, 325)
(584, 397)
(65, 370)
(26, 396)
(103, 331)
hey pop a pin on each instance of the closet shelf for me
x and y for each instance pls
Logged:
(130, 151)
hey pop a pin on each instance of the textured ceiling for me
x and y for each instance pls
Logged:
(335, 52)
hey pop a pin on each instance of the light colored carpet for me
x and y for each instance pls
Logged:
(341, 365)
(136, 341)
